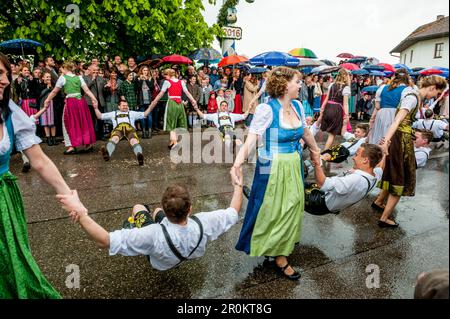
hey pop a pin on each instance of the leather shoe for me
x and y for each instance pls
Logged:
(376, 207)
(282, 270)
(383, 224)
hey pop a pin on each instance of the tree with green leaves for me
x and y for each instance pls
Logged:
(86, 28)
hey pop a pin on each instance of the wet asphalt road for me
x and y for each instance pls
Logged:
(337, 253)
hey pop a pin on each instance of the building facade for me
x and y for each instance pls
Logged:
(427, 46)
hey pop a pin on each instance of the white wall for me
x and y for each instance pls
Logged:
(423, 54)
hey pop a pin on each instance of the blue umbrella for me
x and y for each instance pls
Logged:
(377, 73)
(372, 67)
(370, 89)
(274, 58)
(20, 45)
(257, 70)
(403, 66)
(360, 72)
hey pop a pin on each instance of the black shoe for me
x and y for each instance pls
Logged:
(383, 224)
(105, 153)
(281, 270)
(149, 134)
(145, 134)
(49, 141)
(140, 159)
(246, 191)
(376, 207)
(54, 142)
(72, 152)
(26, 167)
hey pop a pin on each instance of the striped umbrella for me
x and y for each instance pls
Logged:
(303, 53)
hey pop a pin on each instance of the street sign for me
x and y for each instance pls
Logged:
(232, 33)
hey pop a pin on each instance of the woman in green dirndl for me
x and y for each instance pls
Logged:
(20, 276)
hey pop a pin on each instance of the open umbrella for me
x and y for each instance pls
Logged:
(303, 53)
(328, 62)
(377, 73)
(176, 59)
(387, 67)
(357, 60)
(402, 66)
(372, 67)
(205, 55)
(232, 60)
(274, 58)
(372, 88)
(350, 66)
(360, 72)
(19, 46)
(257, 70)
(345, 55)
(324, 69)
(309, 62)
(431, 71)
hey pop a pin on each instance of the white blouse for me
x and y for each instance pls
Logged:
(346, 91)
(263, 118)
(24, 131)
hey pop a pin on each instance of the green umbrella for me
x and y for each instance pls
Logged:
(303, 53)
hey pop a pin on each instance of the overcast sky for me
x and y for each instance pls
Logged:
(329, 27)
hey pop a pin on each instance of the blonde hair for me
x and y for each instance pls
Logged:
(69, 66)
(169, 72)
(342, 77)
(439, 82)
(278, 80)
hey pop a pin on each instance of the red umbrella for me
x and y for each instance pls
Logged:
(176, 59)
(232, 60)
(350, 66)
(387, 67)
(346, 56)
(431, 72)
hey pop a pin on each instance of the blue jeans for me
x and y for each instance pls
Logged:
(146, 123)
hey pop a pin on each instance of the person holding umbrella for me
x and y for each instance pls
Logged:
(175, 116)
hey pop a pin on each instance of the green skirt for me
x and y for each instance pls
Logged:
(20, 276)
(279, 218)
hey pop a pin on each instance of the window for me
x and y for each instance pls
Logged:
(404, 58)
(438, 48)
(411, 57)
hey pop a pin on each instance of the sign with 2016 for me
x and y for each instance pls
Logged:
(232, 33)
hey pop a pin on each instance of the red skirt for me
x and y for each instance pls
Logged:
(237, 104)
(78, 122)
(27, 109)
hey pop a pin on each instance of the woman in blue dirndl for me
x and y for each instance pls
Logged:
(273, 219)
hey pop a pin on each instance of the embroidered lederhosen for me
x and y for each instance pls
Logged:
(225, 126)
(340, 153)
(124, 130)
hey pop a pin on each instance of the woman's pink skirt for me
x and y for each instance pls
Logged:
(78, 122)
(26, 107)
(48, 117)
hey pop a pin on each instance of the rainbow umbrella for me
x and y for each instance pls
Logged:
(303, 53)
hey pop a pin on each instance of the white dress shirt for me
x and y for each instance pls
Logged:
(150, 240)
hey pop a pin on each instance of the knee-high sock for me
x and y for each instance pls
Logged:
(25, 158)
(137, 148)
(110, 147)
